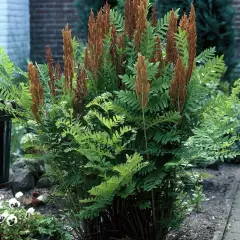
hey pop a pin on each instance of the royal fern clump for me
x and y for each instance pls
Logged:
(120, 127)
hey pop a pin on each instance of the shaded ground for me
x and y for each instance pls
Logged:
(210, 222)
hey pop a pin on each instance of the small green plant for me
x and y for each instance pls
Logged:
(198, 197)
(18, 223)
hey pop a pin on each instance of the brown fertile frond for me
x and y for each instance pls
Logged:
(81, 88)
(141, 24)
(184, 22)
(178, 86)
(158, 52)
(91, 25)
(192, 15)
(113, 49)
(97, 30)
(128, 18)
(68, 58)
(117, 42)
(192, 43)
(142, 85)
(87, 64)
(171, 46)
(154, 15)
(31, 73)
(49, 60)
(131, 16)
(36, 90)
(103, 21)
(158, 57)
(80, 91)
(106, 20)
(58, 71)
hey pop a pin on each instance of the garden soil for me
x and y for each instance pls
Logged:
(206, 224)
(210, 222)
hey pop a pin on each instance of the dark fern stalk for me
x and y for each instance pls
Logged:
(142, 90)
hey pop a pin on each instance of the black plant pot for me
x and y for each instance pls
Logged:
(5, 144)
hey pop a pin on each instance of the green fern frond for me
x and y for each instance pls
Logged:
(7, 68)
(152, 70)
(25, 98)
(148, 42)
(108, 122)
(166, 137)
(204, 81)
(129, 98)
(131, 56)
(206, 55)
(103, 98)
(153, 180)
(168, 117)
(147, 169)
(215, 136)
(158, 102)
(117, 19)
(129, 81)
(182, 45)
(211, 72)
(160, 85)
(115, 185)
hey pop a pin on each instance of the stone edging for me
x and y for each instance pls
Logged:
(219, 235)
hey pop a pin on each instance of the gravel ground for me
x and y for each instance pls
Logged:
(214, 213)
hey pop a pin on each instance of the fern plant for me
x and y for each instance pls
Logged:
(10, 92)
(120, 126)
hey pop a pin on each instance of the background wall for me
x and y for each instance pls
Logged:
(15, 30)
(48, 18)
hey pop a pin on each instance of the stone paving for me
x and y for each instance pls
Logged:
(233, 228)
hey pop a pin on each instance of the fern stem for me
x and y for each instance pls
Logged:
(144, 130)
(146, 145)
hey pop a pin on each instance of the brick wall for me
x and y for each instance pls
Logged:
(48, 18)
(15, 30)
